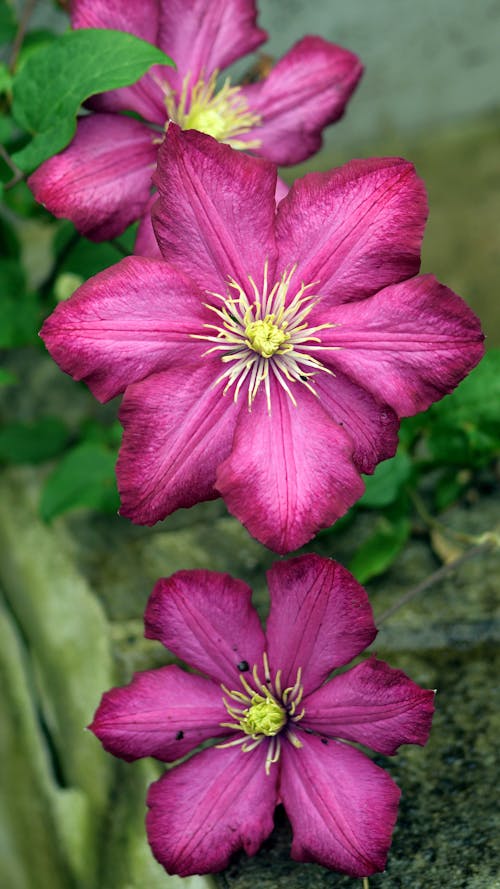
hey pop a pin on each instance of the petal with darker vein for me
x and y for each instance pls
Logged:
(304, 92)
(178, 428)
(207, 619)
(320, 619)
(164, 713)
(206, 809)
(354, 229)
(290, 472)
(374, 705)
(341, 805)
(131, 320)
(102, 181)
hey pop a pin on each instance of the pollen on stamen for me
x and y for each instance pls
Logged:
(223, 114)
(262, 335)
(263, 712)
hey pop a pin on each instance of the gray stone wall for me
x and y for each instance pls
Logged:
(428, 62)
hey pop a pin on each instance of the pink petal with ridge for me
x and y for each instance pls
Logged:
(374, 705)
(372, 425)
(289, 473)
(282, 189)
(102, 181)
(145, 242)
(207, 619)
(215, 212)
(129, 321)
(204, 36)
(304, 92)
(408, 345)
(141, 19)
(177, 430)
(206, 809)
(320, 618)
(341, 805)
(353, 229)
(164, 713)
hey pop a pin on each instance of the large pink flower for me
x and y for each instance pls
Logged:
(102, 181)
(269, 357)
(276, 722)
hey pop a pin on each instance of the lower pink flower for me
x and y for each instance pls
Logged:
(275, 720)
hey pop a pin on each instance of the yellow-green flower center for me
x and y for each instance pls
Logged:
(263, 717)
(223, 114)
(262, 335)
(264, 711)
(266, 337)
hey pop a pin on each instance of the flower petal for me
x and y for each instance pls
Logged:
(215, 213)
(372, 425)
(208, 807)
(127, 322)
(354, 229)
(320, 618)
(102, 181)
(341, 805)
(164, 713)
(203, 37)
(142, 19)
(282, 189)
(207, 619)
(145, 242)
(177, 431)
(374, 705)
(304, 92)
(409, 345)
(289, 473)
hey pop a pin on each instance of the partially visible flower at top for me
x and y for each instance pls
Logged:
(276, 722)
(268, 356)
(102, 181)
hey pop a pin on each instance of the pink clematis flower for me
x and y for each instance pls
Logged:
(276, 722)
(102, 181)
(268, 357)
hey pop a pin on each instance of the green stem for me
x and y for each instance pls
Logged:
(435, 525)
(21, 31)
(18, 174)
(433, 579)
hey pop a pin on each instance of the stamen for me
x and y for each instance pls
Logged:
(273, 753)
(263, 711)
(292, 737)
(262, 334)
(223, 114)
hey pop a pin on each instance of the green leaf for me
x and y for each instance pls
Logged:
(5, 78)
(449, 488)
(384, 486)
(85, 477)
(8, 25)
(377, 553)
(9, 242)
(33, 442)
(7, 378)
(464, 428)
(55, 79)
(84, 258)
(19, 310)
(7, 128)
(105, 434)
